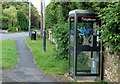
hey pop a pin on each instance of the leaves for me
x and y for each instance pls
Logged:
(110, 30)
(109, 13)
(22, 20)
(11, 12)
(60, 33)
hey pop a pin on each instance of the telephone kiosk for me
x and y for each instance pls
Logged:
(84, 46)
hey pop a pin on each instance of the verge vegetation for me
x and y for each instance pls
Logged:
(9, 54)
(46, 60)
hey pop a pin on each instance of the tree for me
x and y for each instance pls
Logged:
(11, 12)
(33, 20)
(17, 5)
(20, 6)
(25, 8)
(22, 21)
(50, 15)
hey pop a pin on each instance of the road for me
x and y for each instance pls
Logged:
(14, 35)
(26, 70)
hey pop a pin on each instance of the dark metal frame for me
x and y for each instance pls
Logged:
(100, 73)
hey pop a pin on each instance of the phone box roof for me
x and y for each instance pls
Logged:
(81, 11)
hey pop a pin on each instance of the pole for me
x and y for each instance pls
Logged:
(41, 22)
(44, 38)
(29, 19)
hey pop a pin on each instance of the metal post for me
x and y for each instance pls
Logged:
(41, 20)
(29, 19)
(44, 38)
(69, 47)
(75, 47)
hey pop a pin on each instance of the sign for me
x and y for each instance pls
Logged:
(87, 19)
(84, 31)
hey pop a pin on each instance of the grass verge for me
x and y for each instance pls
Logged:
(46, 60)
(16, 31)
(9, 54)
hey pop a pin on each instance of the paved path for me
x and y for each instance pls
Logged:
(26, 71)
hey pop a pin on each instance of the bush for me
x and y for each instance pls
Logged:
(111, 27)
(12, 29)
(5, 21)
(60, 33)
(4, 18)
(5, 26)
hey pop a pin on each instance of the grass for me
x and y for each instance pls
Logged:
(16, 31)
(9, 54)
(46, 60)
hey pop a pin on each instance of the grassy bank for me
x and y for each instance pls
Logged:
(46, 60)
(9, 54)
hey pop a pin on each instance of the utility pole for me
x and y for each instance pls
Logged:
(41, 17)
(44, 38)
(29, 19)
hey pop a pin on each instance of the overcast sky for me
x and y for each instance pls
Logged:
(36, 3)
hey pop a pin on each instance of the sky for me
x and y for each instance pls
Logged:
(36, 3)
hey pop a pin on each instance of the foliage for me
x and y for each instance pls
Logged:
(25, 8)
(56, 18)
(4, 18)
(57, 13)
(5, 26)
(5, 22)
(83, 61)
(11, 12)
(84, 5)
(17, 5)
(22, 21)
(9, 59)
(102, 82)
(110, 16)
(50, 15)
(35, 17)
(60, 33)
(33, 20)
(12, 29)
(46, 60)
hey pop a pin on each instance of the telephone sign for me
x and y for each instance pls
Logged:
(84, 31)
(88, 19)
